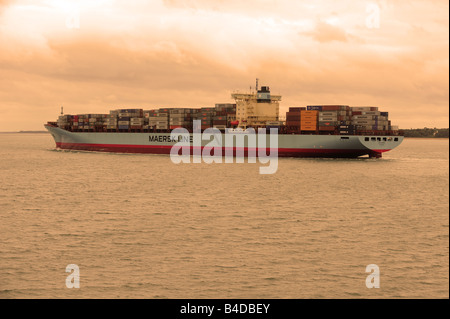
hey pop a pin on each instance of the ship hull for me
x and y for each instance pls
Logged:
(331, 146)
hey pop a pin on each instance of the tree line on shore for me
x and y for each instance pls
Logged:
(426, 132)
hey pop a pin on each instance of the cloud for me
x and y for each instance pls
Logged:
(325, 32)
(194, 53)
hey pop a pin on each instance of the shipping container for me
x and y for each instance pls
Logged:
(314, 107)
(328, 118)
(136, 121)
(331, 108)
(363, 122)
(296, 109)
(371, 113)
(309, 112)
(364, 108)
(308, 122)
(363, 117)
(329, 113)
(274, 123)
(308, 119)
(328, 123)
(326, 128)
(308, 128)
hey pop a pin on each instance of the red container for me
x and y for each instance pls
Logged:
(330, 108)
(174, 126)
(357, 113)
(294, 114)
(326, 128)
(296, 109)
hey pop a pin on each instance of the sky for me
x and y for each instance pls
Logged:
(90, 56)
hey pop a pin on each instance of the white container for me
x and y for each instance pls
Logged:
(371, 113)
(363, 117)
(136, 121)
(328, 113)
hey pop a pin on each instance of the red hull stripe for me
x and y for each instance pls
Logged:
(165, 149)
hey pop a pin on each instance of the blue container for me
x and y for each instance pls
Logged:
(314, 107)
(124, 118)
(124, 127)
(384, 114)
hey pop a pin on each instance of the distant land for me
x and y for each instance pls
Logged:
(33, 131)
(426, 132)
(413, 132)
(24, 132)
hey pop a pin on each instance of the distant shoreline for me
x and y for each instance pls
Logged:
(426, 132)
(24, 132)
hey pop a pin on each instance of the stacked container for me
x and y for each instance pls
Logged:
(367, 118)
(64, 121)
(220, 121)
(180, 117)
(333, 116)
(136, 123)
(207, 116)
(226, 110)
(309, 120)
(161, 121)
(293, 119)
(111, 120)
(124, 117)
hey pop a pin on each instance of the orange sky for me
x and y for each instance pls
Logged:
(95, 55)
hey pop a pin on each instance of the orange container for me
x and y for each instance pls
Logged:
(313, 112)
(306, 123)
(307, 118)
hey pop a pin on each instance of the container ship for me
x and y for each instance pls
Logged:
(334, 131)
